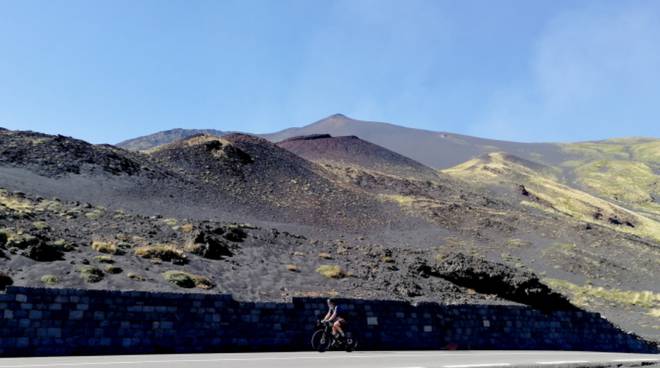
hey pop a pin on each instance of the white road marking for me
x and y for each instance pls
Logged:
(563, 362)
(319, 356)
(638, 360)
(477, 365)
(174, 359)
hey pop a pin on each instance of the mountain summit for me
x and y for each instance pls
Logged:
(436, 149)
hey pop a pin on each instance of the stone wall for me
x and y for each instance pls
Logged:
(50, 321)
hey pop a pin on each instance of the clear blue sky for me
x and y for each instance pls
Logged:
(524, 70)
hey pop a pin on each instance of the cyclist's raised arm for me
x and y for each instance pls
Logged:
(327, 315)
(333, 314)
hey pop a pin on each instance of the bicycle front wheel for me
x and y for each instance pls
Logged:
(321, 341)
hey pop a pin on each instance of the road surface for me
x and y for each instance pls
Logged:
(390, 359)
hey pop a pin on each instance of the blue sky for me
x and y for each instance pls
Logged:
(522, 70)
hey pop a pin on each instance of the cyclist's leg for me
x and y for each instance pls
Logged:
(337, 327)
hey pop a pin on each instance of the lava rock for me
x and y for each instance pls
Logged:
(494, 278)
(5, 281)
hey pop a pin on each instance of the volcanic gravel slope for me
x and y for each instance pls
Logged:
(343, 227)
(168, 136)
(516, 211)
(267, 179)
(50, 242)
(353, 151)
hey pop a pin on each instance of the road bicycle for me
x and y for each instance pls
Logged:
(323, 339)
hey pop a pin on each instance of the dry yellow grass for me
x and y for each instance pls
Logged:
(331, 271)
(553, 196)
(170, 222)
(292, 268)
(15, 204)
(108, 247)
(585, 294)
(401, 200)
(104, 259)
(626, 181)
(163, 252)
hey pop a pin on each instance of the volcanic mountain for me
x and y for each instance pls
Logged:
(335, 216)
(271, 181)
(625, 171)
(87, 220)
(432, 148)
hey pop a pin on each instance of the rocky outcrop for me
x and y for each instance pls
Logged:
(5, 281)
(494, 278)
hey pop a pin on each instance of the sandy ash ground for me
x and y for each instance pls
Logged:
(331, 216)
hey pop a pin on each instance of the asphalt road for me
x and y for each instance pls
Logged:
(390, 359)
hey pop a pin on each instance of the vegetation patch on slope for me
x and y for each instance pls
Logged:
(624, 181)
(586, 295)
(541, 190)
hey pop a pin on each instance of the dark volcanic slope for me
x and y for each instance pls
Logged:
(353, 151)
(168, 136)
(56, 156)
(268, 179)
(73, 169)
(54, 243)
(435, 149)
(368, 233)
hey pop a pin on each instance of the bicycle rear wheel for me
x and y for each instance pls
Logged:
(350, 344)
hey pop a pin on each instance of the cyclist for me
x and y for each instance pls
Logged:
(334, 316)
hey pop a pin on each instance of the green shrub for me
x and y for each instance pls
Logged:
(202, 282)
(187, 280)
(179, 278)
(40, 225)
(91, 274)
(19, 239)
(49, 279)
